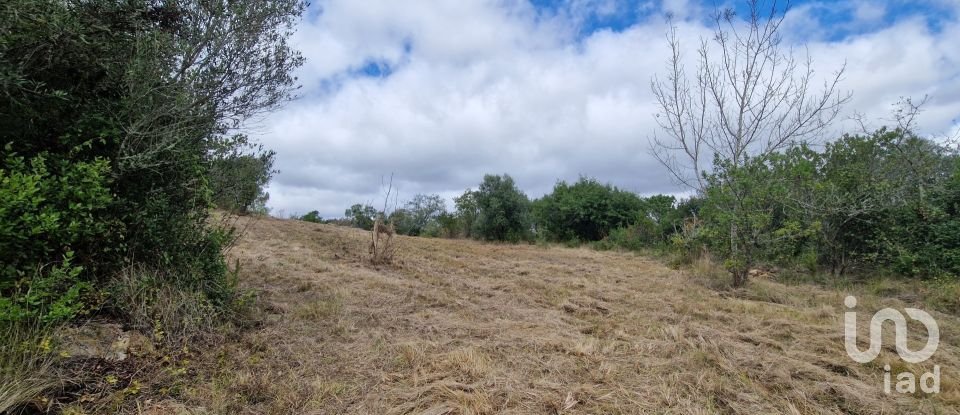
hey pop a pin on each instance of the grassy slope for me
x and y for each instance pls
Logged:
(466, 327)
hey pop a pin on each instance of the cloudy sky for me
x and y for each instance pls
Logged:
(440, 92)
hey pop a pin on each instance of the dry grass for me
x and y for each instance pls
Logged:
(153, 304)
(460, 327)
(26, 364)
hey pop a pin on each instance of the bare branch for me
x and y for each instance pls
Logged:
(749, 96)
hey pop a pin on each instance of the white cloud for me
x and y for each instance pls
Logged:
(869, 11)
(498, 87)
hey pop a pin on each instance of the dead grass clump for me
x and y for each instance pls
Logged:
(26, 364)
(469, 401)
(709, 273)
(469, 361)
(324, 390)
(412, 355)
(261, 390)
(767, 291)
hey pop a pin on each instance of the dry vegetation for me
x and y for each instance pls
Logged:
(26, 369)
(461, 327)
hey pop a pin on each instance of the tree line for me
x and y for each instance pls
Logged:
(887, 201)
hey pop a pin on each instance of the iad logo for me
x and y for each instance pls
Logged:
(906, 381)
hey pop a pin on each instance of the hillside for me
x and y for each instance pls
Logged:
(463, 327)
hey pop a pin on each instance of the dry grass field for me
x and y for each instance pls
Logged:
(462, 327)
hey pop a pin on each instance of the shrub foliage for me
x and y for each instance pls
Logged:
(586, 211)
(113, 117)
(503, 210)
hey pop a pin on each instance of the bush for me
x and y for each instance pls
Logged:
(114, 120)
(629, 238)
(402, 221)
(585, 211)
(312, 216)
(662, 223)
(865, 203)
(49, 226)
(421, 213)
(447, 226)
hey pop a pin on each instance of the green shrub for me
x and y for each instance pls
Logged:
(50, 295)
(312, 216)
(432, 230)
(467, 212)
(586, 210)
(49, 223)
(870, 203)
(402, 221)
(630, 238)
(421, 213)
(117, 118)
(449, 225)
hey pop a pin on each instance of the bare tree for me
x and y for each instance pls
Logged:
(748, 97)
(382, 245)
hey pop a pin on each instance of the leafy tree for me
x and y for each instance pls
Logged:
(943, 222)
(504, 211)
(586, 210)
(419, 213)
(660, 220)
(742, 197)
(888, 186)
(661, 216)
(659, 207)
(402, 221)
(361, 216)
(864, 201)
(467, 211)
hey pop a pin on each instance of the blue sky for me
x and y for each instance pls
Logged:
(619, 15)
(441, 92)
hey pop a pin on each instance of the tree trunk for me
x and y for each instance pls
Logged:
(741, 266)
(740, 277)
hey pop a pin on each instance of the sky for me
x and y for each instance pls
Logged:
(440, 92)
